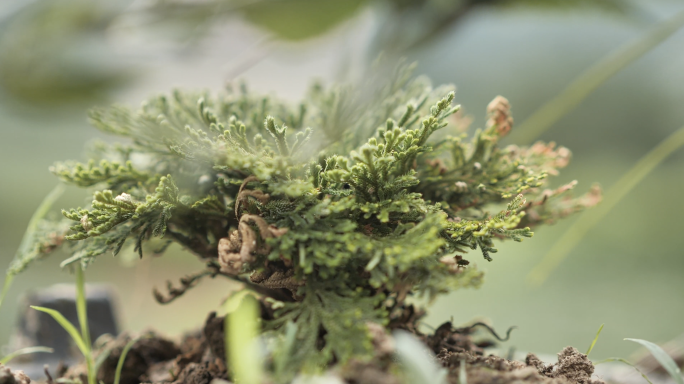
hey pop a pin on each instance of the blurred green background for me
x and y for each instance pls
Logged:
(58, 58)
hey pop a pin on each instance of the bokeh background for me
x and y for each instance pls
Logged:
(60, 57)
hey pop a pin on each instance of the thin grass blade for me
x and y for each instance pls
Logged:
(595, 340)
(621, 360)
(592, 78)
(122, 359)
(71, 330)
(590, 218)
(25, 351)
(82, 305)
(101, 358)
(5, 287)
(663, 358)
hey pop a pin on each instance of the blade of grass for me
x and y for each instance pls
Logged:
(282, 355)
(122, 359)
(71, 330)
(27, 240)
(101, 358)
(595, 340)
(590, 218)
(592, 78)
(5, 287)
(82, 311)
(81, 305)
(621, 360)
(24, 351)
(83, 346)
(663, 358)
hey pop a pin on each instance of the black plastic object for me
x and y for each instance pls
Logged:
(36, 328)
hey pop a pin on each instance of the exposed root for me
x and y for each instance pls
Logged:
(469, 329)
(186, 283)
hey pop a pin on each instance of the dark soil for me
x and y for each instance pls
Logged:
(199, 358)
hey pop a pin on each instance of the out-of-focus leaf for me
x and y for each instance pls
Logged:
(24, 351)
(241, 338)
(614, 6)
(419, 364)
(412, 23)
(55, 51)
(300, 19)
(663, 358)
(28, 250)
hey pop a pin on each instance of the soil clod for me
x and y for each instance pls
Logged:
(8, 376)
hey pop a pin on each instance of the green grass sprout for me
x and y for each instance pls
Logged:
(663, 358)
(621, 360)
(122, 359)
(101, 357)
(281, 356)
(590, 218)
(24, 351)
(71, 330)
(595, 340)
(82, 339)
(592, 78)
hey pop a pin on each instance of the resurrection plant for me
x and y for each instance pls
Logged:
(334, 211)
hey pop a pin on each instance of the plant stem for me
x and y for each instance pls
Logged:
(82, 310)
(588, 219)
(592, 78)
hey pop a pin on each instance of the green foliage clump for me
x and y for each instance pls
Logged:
(337, 209)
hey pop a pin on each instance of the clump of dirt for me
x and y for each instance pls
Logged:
(572, 367)
(200, 357)
(9, 377)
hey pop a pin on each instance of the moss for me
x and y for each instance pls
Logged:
(338, 208)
